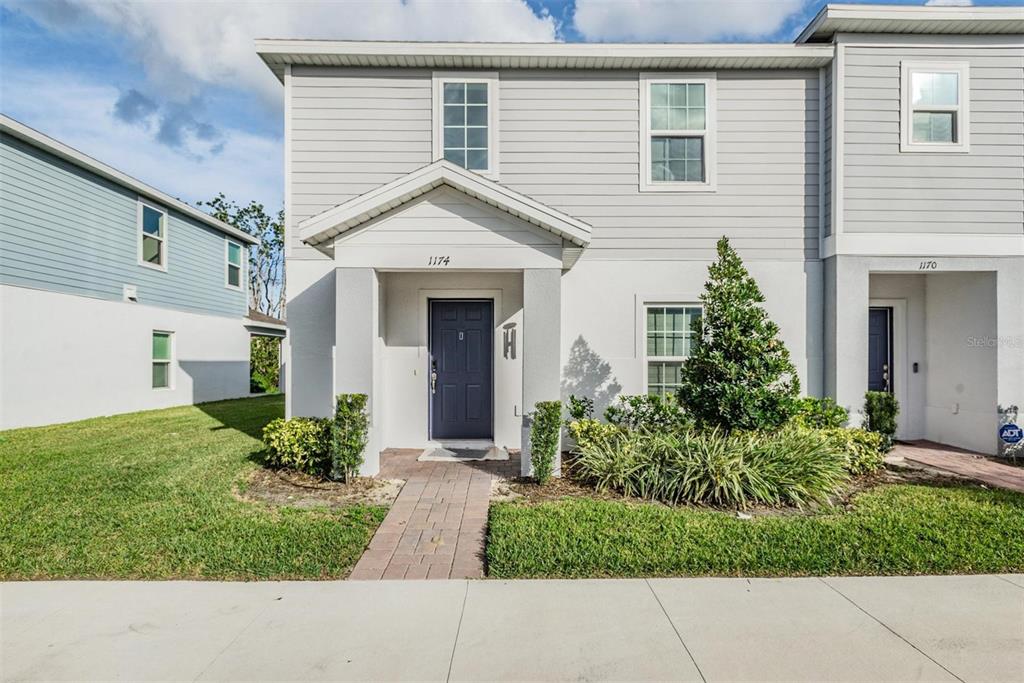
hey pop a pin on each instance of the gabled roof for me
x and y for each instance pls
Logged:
(277, 53)
(59, 149)
(333, 222)
(903, 19)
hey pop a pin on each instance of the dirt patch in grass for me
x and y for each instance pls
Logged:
(293, 489)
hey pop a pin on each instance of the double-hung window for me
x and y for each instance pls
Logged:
(162, 356)
(678, 142)
(233, 264)
(934, 108)
(670, 332)
(152, 229)
(465, 119)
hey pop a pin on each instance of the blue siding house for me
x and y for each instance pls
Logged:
(114, 297)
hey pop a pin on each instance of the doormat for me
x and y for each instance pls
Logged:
(462, 454)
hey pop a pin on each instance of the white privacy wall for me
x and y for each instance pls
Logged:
(76, 357)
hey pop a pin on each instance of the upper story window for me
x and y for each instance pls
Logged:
(670, 331)
(934, 108)
(465, 121)
(152, 229)
(233, 264)
(677, 146)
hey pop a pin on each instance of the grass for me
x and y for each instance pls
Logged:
(150, 495)
(893, 529)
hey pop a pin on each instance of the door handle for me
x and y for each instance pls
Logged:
(433, 377)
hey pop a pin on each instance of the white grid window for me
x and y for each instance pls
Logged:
(669, 334)
(677, 146)
(465, 120)
(152, 226)
(233, 257)
(162, 354)
(934, 107)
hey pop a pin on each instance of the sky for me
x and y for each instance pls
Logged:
(174, 94)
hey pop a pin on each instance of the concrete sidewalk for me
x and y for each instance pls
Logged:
(969, 628)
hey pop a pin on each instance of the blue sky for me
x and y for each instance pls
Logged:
(173, 93)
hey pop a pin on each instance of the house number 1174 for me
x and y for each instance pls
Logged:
(438, 261)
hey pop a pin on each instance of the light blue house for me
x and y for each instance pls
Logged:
(114, 296)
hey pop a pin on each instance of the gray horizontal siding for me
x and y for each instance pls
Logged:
(571, 140)
(67, 230)
(886, 190)
(827, 156)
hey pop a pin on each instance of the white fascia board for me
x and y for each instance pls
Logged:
(59, 149)
(913, 19)
(333, 222)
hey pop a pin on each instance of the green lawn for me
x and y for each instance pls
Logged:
(894, 529)
(149, 495)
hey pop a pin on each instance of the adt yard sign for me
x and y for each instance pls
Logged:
(1011, 433)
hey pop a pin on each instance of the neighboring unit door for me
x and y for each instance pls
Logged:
(461, 369)
(880, 349)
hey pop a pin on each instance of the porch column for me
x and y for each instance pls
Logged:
(542, 348)
(1010, 340)
(356, 363)
(846, 333)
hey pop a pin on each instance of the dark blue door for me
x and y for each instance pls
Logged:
(880, 349)
(461, 369)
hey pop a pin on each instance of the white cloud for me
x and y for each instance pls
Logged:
(682, 20)
(241, 170)
(949, 3)
(186, 45)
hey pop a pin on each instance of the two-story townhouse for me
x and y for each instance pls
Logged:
(475, 227)
(114, 297)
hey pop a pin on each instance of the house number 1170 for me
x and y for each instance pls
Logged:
(438, 261)
(928, 265)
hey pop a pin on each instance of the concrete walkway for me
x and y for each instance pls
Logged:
(958, 462)
(968, 628)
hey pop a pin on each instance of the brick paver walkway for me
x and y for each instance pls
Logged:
(436, 528)
(961, 462)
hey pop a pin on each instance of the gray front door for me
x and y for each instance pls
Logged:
(880, 349)
(461, 369)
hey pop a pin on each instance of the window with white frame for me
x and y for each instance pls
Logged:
(233, 258)
(162, 356)
(152, 226)
(678, 142)
(934, 108)
(670, 331)
(465, 118)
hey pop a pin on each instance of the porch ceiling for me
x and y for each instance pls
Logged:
(326, 226)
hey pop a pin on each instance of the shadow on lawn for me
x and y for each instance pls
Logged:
(246, 415)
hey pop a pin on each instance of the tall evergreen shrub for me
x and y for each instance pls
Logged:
(348, 436)
(739, 375)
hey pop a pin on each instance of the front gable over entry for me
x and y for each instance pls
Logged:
(442, 211)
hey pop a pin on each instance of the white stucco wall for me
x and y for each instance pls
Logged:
(603, 320)
(961, 394)
(66, 357)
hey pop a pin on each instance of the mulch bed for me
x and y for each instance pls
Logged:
(295, 489)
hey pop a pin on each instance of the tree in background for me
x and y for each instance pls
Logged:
(266, 260)
(739, 375)
(264, 364)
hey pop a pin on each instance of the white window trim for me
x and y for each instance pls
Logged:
(164, 239)
(963, 143)
(645, 359)
(228, 264)
(169, 361)
(439, 78)
(710, 132)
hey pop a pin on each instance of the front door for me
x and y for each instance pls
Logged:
(461, 369)
(880, 349)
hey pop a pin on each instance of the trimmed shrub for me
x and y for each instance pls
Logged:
(544, 433)
(301, 443)
(821, 413)
(591, 433)
(712, 467)
(862, 450)
(739, 375)
(348, 436)
(580, 408)
(648, 413)
(880, 411)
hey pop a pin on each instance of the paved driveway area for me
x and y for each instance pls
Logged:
(843, 629)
